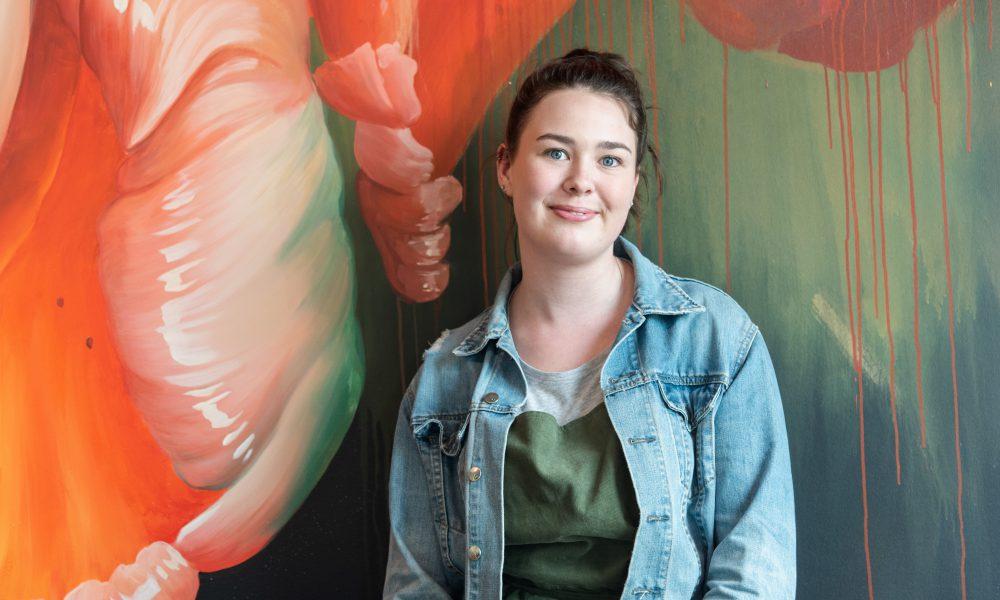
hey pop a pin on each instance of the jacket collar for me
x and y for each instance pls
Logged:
(656, 292)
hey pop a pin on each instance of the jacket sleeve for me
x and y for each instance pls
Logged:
(753, 552)
(415, 569)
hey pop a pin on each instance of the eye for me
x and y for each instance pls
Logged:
(614, 161)
(555, 153)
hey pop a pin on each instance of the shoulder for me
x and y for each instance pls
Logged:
(724, 325)
(449, 339)
(445, 381)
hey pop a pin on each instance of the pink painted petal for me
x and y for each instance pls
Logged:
(392, 157)
(159, 571)
(223, 259)
(365, 86)
(410, 233)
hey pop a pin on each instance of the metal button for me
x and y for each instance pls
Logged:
(475, 473)
(491, 397)
(474, 552)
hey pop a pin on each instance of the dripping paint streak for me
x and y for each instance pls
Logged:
(885, 266)
(628, 31)
(651, 58)
(847, 223)
(416, 334)
(885, 278)
(968, 79)
(871, 170)
(951, 310)
(989, 25)
(871, 192)
(482, 220)
(600, 23)
(611, 26)
(399, 346)
(586, 23)
(437, 315)
(570, 27)
(680, 13)
(829, 123)
(725, 153)
(904, 85)
(844, 102)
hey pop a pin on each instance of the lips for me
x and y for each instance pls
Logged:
(573, 209)
(573, 213)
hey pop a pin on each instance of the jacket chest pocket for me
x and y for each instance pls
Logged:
(688, 404)
(441, 442)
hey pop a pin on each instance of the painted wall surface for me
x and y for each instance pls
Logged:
(829, 164)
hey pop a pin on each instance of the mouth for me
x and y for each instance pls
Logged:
(576, 210)
(573, 213)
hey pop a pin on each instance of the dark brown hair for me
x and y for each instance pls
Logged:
(600, 72)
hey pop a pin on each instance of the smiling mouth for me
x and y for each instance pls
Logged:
(576, 211)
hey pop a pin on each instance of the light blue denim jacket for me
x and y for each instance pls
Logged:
(691, 392)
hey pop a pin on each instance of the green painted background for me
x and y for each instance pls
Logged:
(788, 271)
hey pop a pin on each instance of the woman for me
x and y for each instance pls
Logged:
(604, 430)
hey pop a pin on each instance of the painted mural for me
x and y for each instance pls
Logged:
(228, 230)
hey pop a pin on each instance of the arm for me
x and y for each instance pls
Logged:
(415, 568)
(754, 541)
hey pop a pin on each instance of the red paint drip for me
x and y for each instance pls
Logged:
(600, 23)
(885, 266)
(951, 310)
(885, 279)
(856, 340)
(651, 58)
(482, 222)
(829, 123)
(725, 152)
(904, 85)
(586, 23)
(628, 30)
(871, 191)
(871, 170)
(399, 346)
(611, 26)
(680, 12)
(968, 80)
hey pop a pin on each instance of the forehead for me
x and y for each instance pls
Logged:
(581, 114)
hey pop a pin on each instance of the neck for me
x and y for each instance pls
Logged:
(555, 294)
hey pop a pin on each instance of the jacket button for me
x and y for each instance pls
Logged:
(474, 552)
(491, 397)
(475, 473)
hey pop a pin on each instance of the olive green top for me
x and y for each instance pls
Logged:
(570, 514)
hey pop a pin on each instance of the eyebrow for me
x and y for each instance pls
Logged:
(569, 142)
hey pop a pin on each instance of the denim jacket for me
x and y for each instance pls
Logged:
(691, 392)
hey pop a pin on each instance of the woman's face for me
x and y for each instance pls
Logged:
(574, 176)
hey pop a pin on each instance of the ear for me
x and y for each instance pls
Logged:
(503, 166)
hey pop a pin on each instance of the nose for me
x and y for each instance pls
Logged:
(579, 180)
